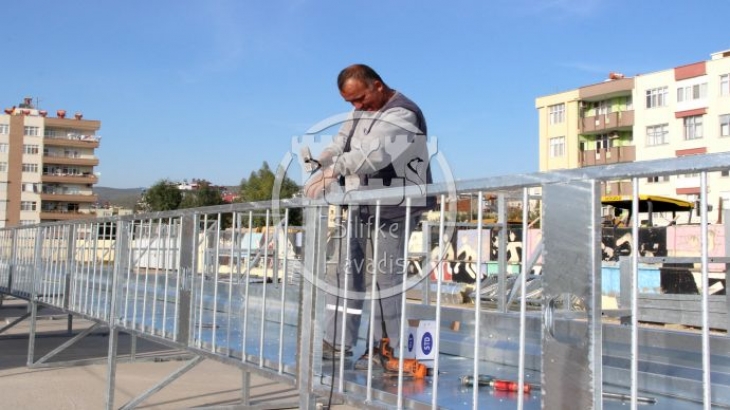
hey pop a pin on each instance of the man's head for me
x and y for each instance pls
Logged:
(362, 87)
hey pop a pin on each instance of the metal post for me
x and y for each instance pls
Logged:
(187, 247)
(245, 388)
(120, 266)
(35, 281)
(572, 361)
(314, 262)
(502, 253)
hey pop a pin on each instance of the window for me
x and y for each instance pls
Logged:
(692, 92)
(656, 179)
(4, 129)
(693, 127)
(3, 147)
(31, 131)
(724, 85)
(30, 167)
(27, 205)
(603, 142)
(557, 147)
(30, 149)
(31, 187)
(725, 173)
(725, 125)
(656, 97)
(3, 166)
(557, 113)
(27, 222)
(657, 135)
(602, 107)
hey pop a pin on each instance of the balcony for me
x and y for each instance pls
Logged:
(59, 178)
(613, 155)
(61, 159)
(616, 188)
(606, 122)
(68, 197)
(72, 140)
(63, 215)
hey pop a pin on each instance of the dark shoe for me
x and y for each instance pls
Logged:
(330, 352)
(377, 360)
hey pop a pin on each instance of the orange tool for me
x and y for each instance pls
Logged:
(411, 367)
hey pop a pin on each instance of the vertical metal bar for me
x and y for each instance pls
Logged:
(439, 283)
(373, 295)
(127, 283)
(183, 305)
(348, 275)
(111, 367)
(282, 302)
(216, 278)
(145, 292)
(572, 366)
(523, 296)
(159, 267)
(86, 272)
(246, 298)
(45, 282)
(68, 272)
(31, 331)
(478, 303)
(262, 330)
(97, 275)
(169, 265)
(314, 263)
(72, 274)
(704, 226)
(34, 287)
(201, 294)
(121, 252)
(404, 305)
(502, 253)
(136, 267)
(427, 264)
(229, 310)
(634, 295)
(245, 388)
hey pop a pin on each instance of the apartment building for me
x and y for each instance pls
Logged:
(684, 110)
(46, 165)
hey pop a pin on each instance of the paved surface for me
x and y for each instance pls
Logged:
(209, 384)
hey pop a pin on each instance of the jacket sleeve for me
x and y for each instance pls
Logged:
(373, 146)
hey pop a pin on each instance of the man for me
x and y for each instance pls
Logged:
(382, 144)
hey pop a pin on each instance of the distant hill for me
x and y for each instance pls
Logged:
(122, 197)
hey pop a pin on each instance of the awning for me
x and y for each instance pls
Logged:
(658, 203)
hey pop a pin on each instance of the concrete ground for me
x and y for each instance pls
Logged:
(209, 384)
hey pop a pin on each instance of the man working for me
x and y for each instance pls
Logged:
(382, 144)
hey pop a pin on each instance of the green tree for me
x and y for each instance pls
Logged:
(259, 186)
(162, 196)
(205, 195)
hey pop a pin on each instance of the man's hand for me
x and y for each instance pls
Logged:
(318, 184)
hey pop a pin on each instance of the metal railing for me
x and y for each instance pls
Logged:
(243, 284)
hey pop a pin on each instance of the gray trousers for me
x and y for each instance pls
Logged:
(353, 278)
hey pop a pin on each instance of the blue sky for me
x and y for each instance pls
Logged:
(212, 88)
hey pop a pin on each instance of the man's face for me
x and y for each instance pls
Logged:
(363, 96)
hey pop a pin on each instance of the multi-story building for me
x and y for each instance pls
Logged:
(46, 165)
(680, 111)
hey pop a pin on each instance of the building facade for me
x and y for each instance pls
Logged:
(684, 110)
(46, 165)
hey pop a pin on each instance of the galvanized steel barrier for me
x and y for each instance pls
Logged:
(241, 284)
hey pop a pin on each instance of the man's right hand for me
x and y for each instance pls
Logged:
(318, 184)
